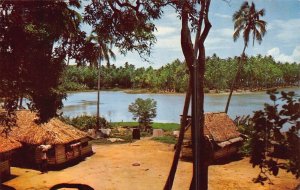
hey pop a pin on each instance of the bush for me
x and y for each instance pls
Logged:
(267, 125)
(143, 111)
(86, 122)
(245, 127)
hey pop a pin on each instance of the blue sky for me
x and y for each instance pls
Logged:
(282, 39)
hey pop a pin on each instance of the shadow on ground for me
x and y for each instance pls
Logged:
(29, 165)
(72, 186)
(7, 178)
(220, 161)
(227, 160)
(5, 187)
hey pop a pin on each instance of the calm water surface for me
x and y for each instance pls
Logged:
(114, 105)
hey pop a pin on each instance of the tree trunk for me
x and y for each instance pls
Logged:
(188, 51)
(200, 169)
(235, 79)
(21, 102)
(200, 154)
(98, 98)
(183, 122)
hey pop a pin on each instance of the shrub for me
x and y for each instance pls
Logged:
(143, 111)
(85, 122)
(267, 132)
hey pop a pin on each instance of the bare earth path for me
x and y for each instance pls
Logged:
(111, 168)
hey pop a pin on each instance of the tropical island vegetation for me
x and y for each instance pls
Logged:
(257, 73)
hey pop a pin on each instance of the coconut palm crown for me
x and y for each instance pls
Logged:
(247, 20)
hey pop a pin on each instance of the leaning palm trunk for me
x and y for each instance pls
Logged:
(170, 180)
(240, 64)
(98, 98)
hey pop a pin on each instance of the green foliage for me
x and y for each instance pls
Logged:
(245, 127)
(125, 124)
(257, 73)
(76, 78)
(169, 139)
(86, 122)
(143, 111)
(30, 63)
(247, 20)
(166, 126)
(267, 132)
(130, 27)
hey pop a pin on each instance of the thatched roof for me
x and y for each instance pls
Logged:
(221, 129)
(53, 132)
(8, 144)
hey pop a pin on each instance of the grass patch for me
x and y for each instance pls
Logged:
(164, 126)
(166, 139)
(125, 124)
(105, 141)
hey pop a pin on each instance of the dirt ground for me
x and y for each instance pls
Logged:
(112, 167)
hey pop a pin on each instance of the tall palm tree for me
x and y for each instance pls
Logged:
(247, 21)
(103, 52)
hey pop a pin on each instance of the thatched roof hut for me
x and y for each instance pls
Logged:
(53, 132)
(220, 131)
(7, 146)
(65, 139)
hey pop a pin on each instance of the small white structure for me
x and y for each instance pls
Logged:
(158, 133)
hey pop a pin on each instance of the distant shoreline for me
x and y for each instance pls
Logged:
(211, 92)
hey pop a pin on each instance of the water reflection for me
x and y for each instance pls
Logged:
(114, 105)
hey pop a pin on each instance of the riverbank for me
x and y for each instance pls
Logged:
(144, 165)
(211, 92)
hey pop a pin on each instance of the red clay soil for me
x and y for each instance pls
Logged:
(144, 165)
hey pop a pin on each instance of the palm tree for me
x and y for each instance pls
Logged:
(247, 21)
(103, 52)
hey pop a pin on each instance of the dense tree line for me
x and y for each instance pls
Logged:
(258, 72)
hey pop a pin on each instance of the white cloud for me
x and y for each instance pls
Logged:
(224, 32)
(279, 56)
(287, 29)
(170, 43)
(171, 15)
(222, 16)
(219, 39)
(164, 30)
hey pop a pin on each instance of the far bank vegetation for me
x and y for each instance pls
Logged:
(258, 73)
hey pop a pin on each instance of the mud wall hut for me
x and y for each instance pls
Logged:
(221, 134)
(67, 142)
(7, 147)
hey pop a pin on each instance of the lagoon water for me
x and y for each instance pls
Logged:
(114, 104)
